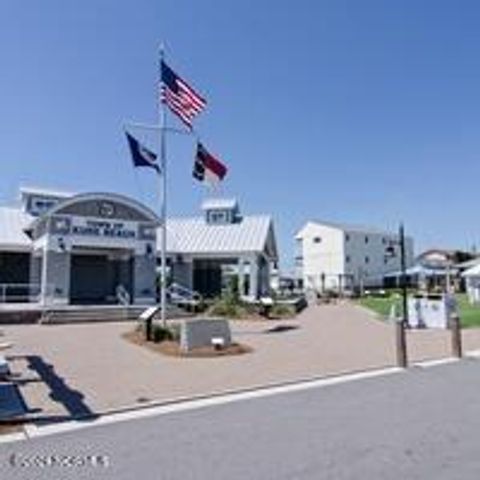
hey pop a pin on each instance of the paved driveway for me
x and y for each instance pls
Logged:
(89, 368)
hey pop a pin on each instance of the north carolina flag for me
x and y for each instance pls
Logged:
(207, 168)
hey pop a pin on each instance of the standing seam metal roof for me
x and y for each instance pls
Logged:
(195, 235)
(184, 235)
(12, 223)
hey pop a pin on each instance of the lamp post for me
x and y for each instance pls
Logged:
(403, 263)
(400, 334)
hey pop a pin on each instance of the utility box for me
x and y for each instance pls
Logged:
(430, 310)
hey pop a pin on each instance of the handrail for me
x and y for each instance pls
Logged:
(123, 296)
(179, 292)
(27, 292)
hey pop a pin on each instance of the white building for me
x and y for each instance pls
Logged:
(205, 251)
(472, 283)
(331, 256)
(63, 248)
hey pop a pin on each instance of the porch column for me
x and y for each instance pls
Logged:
(253, 278)
(44, 275)
(241, 277)
(264, 277)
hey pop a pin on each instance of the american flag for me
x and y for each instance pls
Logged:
(180, 97)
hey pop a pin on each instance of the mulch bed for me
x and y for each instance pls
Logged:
(171, 348)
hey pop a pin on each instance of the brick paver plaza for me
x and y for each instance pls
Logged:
(90, 368)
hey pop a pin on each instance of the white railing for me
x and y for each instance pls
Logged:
(180, 295)
(123, 297)
(24, 293)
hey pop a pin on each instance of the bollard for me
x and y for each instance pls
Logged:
(401, 344)
(456, 336)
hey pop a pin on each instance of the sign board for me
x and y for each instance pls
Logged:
(149, 313)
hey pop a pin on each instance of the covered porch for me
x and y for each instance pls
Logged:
(210, 276)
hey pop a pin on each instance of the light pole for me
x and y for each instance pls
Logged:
(400, 334)
(403, 263)
(390, 253)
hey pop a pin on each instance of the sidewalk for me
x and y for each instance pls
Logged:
(89, 369)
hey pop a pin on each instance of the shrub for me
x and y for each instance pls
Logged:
(280, 310)
(161, 333)
(232, 292)
(225, 307)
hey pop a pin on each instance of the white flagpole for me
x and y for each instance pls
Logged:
(163, 213)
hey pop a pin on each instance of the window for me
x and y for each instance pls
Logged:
(366, 239)
(347, 259)
(347, 238)
(218, 217)
(317, 239)
(367, 260)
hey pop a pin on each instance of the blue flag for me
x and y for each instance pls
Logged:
(141, 156)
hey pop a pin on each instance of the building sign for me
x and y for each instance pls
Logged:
(94, 228)
(102, 228)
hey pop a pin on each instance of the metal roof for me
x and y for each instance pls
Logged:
(12, 223)
(196, 236)
(469, 263)
(219, 204)
(253, 234)
(472, 272)
(421, 270)
(45, 192)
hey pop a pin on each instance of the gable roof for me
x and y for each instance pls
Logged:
(13, 221)
(348, 227)
(196, 236)
(472, 272)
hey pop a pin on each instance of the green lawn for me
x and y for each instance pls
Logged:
(380, 305)
(469, 314)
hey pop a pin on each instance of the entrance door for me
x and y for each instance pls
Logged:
(94, 278)
(89, 279)
(207, 277)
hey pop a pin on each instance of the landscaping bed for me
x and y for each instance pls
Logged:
(171, 347)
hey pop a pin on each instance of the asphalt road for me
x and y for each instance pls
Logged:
(418, 424)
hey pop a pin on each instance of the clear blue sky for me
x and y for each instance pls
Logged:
(357, 111)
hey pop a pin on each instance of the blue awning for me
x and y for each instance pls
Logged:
(421, 271)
